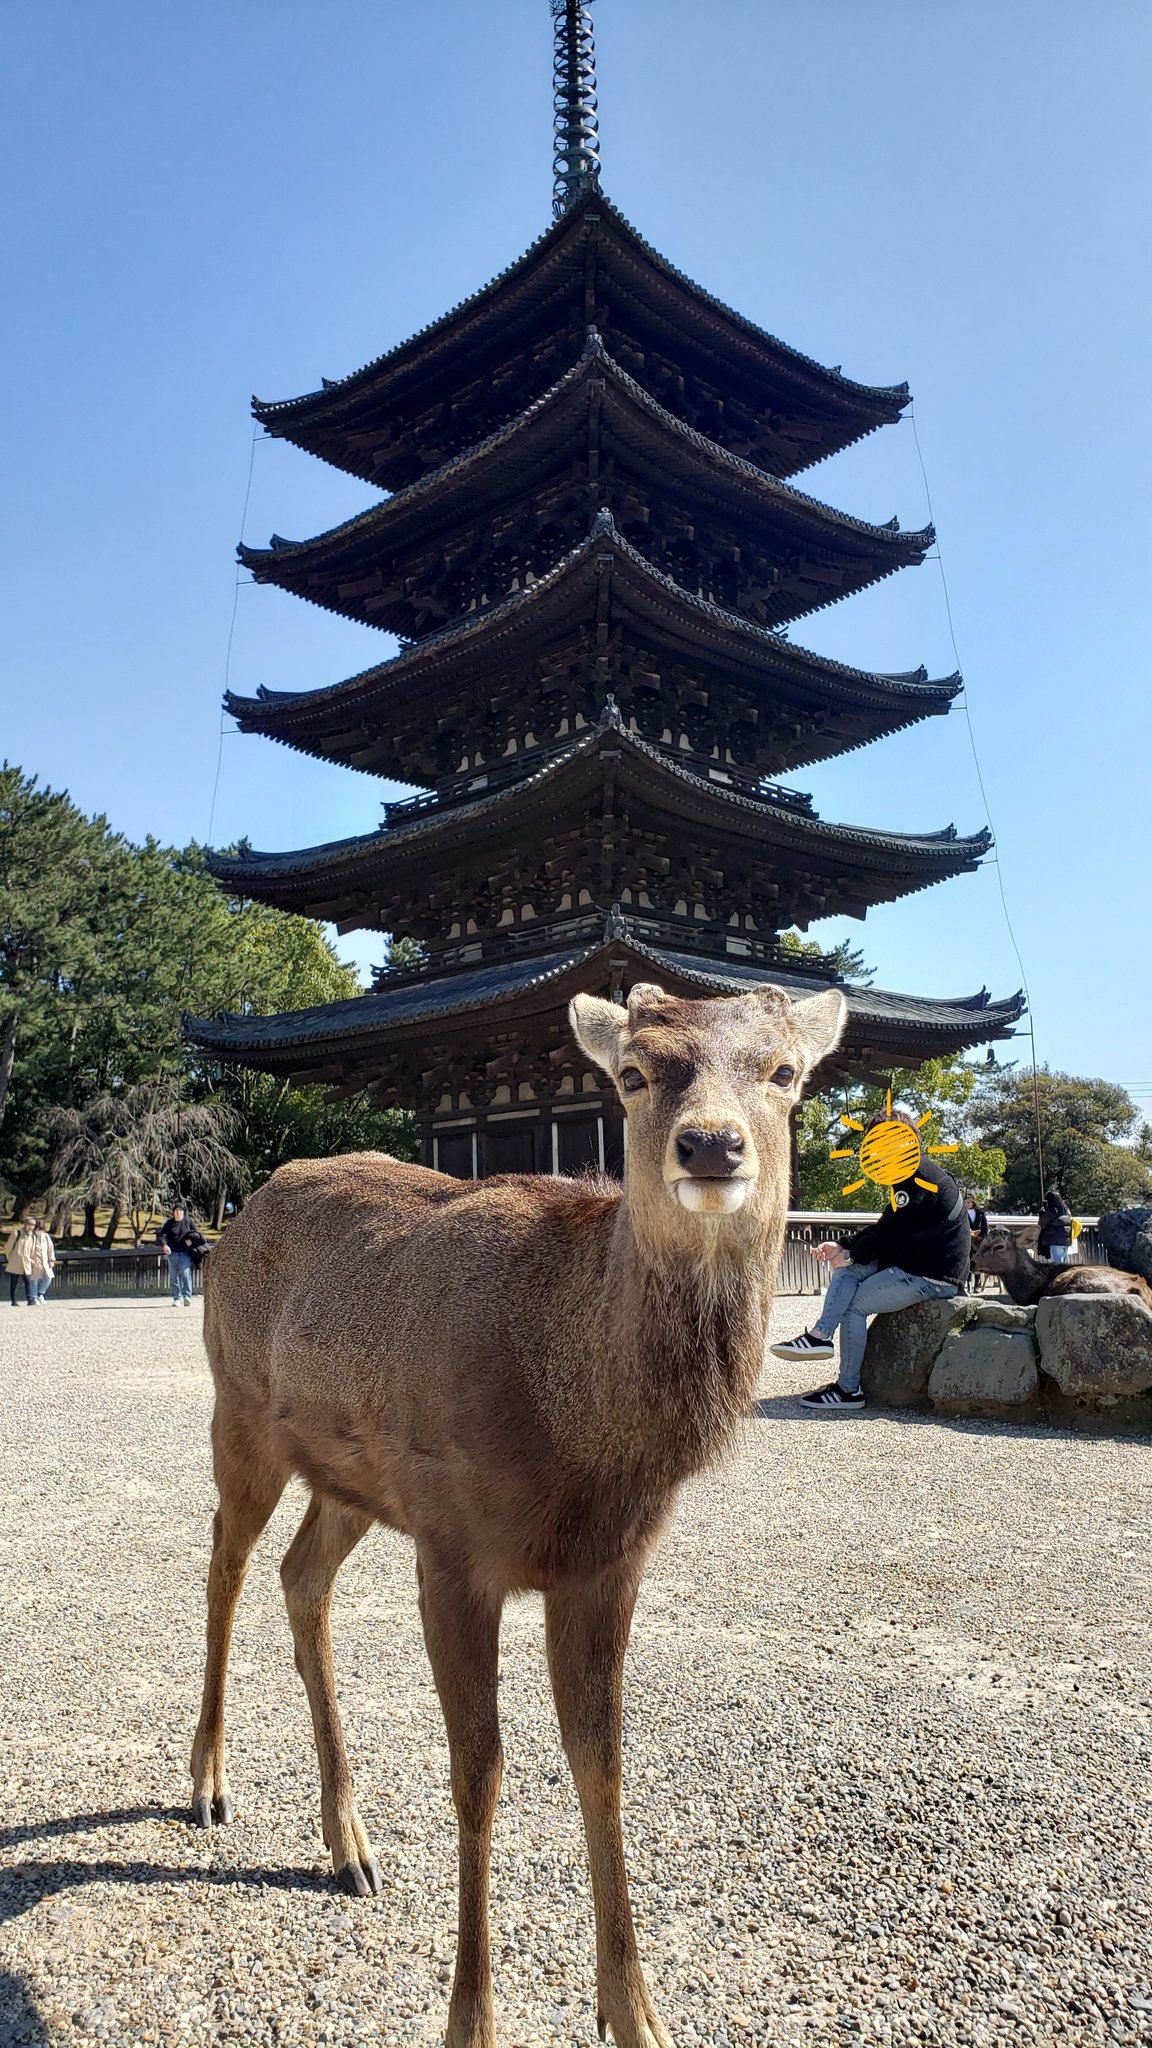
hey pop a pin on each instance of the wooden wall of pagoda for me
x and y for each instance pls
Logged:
(520, 1100)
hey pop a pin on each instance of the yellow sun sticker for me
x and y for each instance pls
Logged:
(890, 1152)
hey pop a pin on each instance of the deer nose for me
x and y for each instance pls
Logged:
(711, 1155)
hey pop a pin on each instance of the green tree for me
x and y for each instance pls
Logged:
(58, 871)
(277, 1123)
(278, 962)
(139, 1149)
(1096, 1146)
(945, 1087)
(842, 959)
(104, 946)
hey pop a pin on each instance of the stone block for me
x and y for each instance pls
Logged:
(998, 1315)
(1127, 1238)
(1097, 1347)
(984, 1371)
(902, 1349)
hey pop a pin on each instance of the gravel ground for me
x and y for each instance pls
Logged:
(888, 1743)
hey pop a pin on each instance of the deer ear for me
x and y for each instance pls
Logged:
(598, 1028)
(820, 1020)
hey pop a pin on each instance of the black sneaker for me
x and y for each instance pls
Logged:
(807, 1345)
(834, 1396)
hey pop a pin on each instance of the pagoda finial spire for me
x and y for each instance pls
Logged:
(575, 130)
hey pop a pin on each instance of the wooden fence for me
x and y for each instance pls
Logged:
(112, 1273)
(146, 1272)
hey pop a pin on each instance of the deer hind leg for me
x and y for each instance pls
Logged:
(587, 1629)
(324, 1539)
(249, 1486)
(462, 1631)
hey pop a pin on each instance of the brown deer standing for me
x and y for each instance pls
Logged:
(519, 1374)
(1027, 1279)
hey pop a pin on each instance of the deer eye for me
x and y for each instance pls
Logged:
(784, 1077)
(632, 1080)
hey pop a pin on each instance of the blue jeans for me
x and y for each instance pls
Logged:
(180, 1274)
(1060, 1254)
(857, 1292)
(39, 1285)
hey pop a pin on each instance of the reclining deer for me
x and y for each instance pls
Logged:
(1027, 1279)
(519, 1374)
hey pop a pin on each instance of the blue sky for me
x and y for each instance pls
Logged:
(209, 199)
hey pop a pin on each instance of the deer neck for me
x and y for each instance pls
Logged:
(685, 1330)
(1025, 1280)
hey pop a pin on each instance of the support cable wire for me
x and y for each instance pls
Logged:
(997, 864)
(256, 436)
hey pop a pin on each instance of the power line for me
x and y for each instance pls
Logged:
(996, 863)
(231, 634)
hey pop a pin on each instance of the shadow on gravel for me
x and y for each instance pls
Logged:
(24, 1885)
(30, 1883)
(82, 1823)
(1053, 1428)
(19, 2019)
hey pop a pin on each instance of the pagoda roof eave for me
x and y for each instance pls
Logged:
(686, 621)
(323, 875)
(412, 516)
(467, 998)
(760, 353)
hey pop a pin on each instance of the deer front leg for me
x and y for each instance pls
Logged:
(249, 1490)
(462, 1631)
(324, 1539)
(587, 1633)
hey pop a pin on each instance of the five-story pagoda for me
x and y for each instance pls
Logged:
(590, 550)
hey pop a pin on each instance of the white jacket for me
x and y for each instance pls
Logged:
(42, 1254)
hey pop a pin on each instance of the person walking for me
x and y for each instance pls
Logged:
(920, 1249)
(43, 1264)
(18, 1260)
(978, 1229)
(184, 1245)
(1054, 1238)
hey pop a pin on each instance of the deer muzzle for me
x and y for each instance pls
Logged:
(711, 1171)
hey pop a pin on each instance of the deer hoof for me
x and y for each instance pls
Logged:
(224, 1808)
(638, 2029)
(362, 1878)
(201, 1813)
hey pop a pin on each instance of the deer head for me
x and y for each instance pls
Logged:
(708, 1088)
(998, 1254)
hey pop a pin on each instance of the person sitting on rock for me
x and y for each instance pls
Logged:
(919, 1250)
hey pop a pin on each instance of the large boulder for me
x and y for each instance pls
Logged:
(1097, 1347)
(902, 1348)
(1127, 1237)
(985, 1370)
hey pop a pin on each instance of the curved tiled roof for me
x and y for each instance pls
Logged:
(882, 1005)
(594, 362)
(918, 858)
(487, 632)
(417, 1002)
(756, 340)
(499, 469)
(954, 1021)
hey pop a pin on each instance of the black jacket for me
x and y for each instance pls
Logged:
(926, 1233)
(182, 1237)
(1055, 1222)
